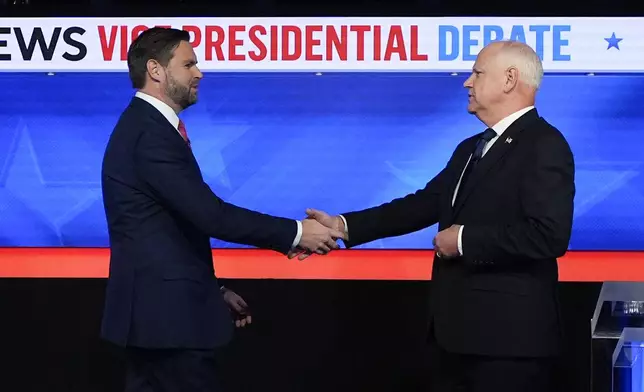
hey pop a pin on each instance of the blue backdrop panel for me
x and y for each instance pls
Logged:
(280, 143)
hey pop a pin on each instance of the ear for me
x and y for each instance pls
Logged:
(155, 70)
(511, 79)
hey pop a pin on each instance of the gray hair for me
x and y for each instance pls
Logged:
(525, 59)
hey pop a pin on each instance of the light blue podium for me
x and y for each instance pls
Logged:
(618, 338)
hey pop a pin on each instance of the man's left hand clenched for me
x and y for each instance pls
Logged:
(446, 242)
(238, 307)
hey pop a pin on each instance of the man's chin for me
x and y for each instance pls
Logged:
(189, 102)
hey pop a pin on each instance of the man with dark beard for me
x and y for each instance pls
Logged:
(163, 302)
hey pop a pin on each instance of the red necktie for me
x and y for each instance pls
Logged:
(182, 131)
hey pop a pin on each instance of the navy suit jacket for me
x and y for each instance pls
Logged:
(162, 291)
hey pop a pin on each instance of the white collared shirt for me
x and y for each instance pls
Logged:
(173, 119)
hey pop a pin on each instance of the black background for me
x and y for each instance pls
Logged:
(321, 8)
(306, 336)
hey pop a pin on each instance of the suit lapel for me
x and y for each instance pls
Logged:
(505, 143)
(164, 126)
(463, 160)
(161, 120)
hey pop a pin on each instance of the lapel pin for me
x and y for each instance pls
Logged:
(508, 140)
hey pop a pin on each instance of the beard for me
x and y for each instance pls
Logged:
(180, 94)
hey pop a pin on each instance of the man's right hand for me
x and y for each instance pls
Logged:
(317, 238)
(333, 223)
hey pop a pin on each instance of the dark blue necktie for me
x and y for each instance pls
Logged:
(488, 135)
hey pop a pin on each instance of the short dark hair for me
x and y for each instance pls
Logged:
(157, 43)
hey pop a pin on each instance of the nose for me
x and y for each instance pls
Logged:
(198, 73)
(468, 82)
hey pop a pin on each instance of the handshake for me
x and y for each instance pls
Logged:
(320, 233)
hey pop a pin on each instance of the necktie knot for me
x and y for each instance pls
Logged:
(488, 135)
(183, 132)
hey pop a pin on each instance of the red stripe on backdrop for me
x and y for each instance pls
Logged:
(340, 264)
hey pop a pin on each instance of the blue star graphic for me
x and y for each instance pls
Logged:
(613, 42)
(35, 209)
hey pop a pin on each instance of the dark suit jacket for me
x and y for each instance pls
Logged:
(162, 291)
(499, 298)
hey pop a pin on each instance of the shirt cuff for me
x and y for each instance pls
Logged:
(346, 227)
(460, 240)
(298, 236)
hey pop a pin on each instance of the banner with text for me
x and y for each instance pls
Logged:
(326, 44)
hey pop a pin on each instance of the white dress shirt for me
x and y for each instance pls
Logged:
(173, 119)
(499, 128)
